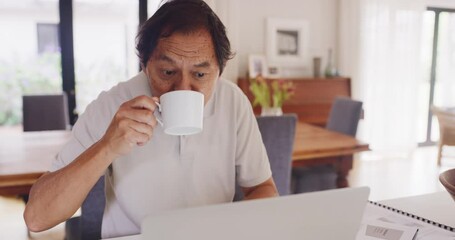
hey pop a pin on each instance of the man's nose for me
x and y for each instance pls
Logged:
(184, 83)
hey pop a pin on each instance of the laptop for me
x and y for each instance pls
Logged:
(330, 214)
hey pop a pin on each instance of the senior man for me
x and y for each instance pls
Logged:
(183, 46)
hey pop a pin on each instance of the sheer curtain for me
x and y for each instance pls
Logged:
(380, 42)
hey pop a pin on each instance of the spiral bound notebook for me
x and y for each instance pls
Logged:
(440, 225)
(432, 215)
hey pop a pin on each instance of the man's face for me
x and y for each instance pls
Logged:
(184, 62)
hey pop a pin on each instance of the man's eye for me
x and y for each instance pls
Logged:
(168, 72)
(200, 75)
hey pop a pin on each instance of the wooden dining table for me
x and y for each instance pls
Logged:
(315, 146)
(25, 156)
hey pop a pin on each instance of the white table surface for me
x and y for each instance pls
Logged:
(438, 207)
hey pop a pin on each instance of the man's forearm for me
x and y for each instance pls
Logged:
(265, 190)
(56, 196)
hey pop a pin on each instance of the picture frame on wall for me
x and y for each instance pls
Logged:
(287, 42)
(257, 65)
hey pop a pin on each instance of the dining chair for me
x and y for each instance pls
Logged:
(344, 118)
(314, 178)
(446, 119)
(45, 112)
(88, 225)
(278, 134)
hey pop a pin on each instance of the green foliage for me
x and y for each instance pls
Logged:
(261, 92)
(40, 75)
(270, 96)
(282, 91)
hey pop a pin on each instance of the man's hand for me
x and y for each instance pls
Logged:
(132, 125)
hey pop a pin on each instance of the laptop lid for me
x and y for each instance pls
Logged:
(331, 214)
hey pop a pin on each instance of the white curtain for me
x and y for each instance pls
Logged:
(380, 48)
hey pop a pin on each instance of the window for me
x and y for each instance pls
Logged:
(48, 38)
(152, 6)
(22, 69)
(104, 46)
(103, 40)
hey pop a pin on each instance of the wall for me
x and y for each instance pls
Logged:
(246, 24)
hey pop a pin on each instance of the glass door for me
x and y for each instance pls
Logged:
(441, 71)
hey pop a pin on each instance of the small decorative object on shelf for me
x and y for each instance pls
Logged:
(330, 69)
(317, 67)
(270, 96)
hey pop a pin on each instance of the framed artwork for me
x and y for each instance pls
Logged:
(287, 42)
(257, 65)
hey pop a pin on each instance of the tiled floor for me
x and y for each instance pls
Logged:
(389, 175)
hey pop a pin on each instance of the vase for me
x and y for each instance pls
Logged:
(330, 70)
(271, 111)
(317, 67)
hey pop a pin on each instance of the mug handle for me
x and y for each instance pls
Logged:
(158, 118)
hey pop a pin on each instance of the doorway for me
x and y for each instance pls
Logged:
(439, 89)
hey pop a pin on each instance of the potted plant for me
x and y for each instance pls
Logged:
(270, 96)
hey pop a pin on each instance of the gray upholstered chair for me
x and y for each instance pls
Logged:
(278, 134)
(45, 112)
(343, 118)
(315, 178)
(88, 225)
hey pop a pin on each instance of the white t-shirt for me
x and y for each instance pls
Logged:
(172, 172)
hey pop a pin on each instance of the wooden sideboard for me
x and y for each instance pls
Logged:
(312, 99)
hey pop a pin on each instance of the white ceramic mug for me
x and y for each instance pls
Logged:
(181, 111)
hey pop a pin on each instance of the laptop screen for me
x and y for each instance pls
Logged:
(331, 214)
